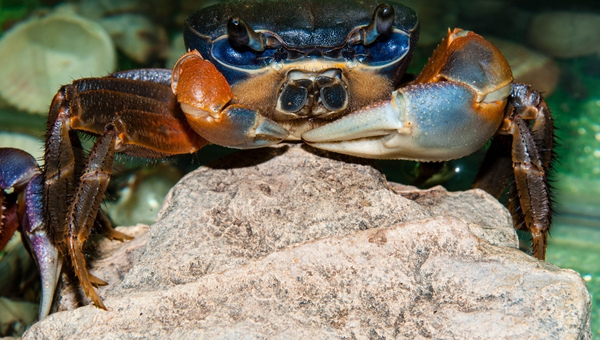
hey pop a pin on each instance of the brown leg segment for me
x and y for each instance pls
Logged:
(105, 226)
(85, 206)
(532, 186)
(59, 170)
(138, 118)
(531, 154)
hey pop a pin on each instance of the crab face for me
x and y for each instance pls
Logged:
(305, 63)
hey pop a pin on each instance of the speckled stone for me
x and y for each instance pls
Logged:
(289, 242)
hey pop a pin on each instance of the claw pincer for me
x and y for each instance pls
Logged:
(450, 111)
(205, 97)
(23, 207)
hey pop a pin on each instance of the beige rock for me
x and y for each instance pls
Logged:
(285, 243)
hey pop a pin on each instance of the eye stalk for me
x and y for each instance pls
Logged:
(381, 23)
(242, 35)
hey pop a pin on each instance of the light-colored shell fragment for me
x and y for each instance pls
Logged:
(34, 146)
(137, 36)
(41, 54)
(566, 34)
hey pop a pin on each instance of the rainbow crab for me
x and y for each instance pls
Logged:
(329, 73)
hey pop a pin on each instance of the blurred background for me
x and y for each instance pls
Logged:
(553, 45)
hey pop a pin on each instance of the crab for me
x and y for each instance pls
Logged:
(261, 72)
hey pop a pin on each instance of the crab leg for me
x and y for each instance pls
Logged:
(85, 206)
(450, 111)
(206, 97)
(530, 180)
(48, 257)
(527, 153)
(134, 113)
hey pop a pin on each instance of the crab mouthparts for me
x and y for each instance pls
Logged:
(313, 94)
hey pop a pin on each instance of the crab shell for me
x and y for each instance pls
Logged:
(312, 39)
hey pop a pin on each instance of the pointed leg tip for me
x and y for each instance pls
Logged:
(96, 281)
(113, 234)
(91, 293)
(100, 305)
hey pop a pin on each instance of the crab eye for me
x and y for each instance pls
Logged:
(381, 23)
(240, 34)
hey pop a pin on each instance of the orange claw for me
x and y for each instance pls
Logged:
(205, 97)
(451, 110)
(465, 57)
(477, 53)
(198, 83)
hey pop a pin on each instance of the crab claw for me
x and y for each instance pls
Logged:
(451, 110)
(425, 122)
(20, 172)
(205, 98)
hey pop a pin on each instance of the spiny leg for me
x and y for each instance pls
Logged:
(532, 187)
(105, 227)
(84, 208)
(530, 105)
(59, 167)
(137, 117)
(531, 153)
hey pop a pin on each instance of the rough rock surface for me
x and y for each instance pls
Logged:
(285, 243)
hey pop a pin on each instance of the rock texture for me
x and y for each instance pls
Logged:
(287, 243)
